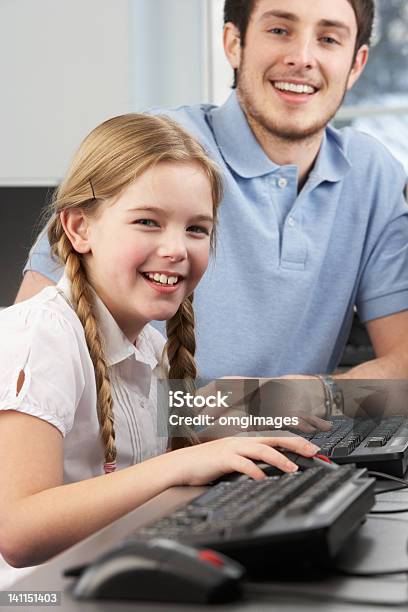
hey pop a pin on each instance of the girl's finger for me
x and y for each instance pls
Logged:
(293, 443)
(266, 454)
(244, 465)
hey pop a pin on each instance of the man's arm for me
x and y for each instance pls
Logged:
(41, 269)
(33, 283)
(381, 380)
(389, 336)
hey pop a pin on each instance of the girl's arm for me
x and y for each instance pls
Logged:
(40, 517)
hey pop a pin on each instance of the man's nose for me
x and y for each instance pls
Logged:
(173, 247)
(302, 54)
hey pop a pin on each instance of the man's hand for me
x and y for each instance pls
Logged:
(298, 398)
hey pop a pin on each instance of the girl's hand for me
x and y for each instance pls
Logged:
(199, 465)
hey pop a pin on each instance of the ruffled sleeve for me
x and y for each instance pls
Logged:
(46, 347)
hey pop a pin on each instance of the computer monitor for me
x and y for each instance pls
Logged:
(20, 212)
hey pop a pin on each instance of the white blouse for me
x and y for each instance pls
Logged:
(44, 338)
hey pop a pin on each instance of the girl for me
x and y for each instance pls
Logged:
(132, 223)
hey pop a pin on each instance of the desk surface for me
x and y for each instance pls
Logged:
(381, 543)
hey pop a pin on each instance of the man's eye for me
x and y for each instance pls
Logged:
(146, 222)
(278, 31)
(329, 40)
(198, 229)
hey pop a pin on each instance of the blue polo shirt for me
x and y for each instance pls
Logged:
(279, 294)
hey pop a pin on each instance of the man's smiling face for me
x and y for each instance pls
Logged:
(297, 64)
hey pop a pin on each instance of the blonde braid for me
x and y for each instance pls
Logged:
(110, 159)
(180, 349)
(83, 302)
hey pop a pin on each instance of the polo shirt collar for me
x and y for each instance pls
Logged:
(237, 143)
(117, 346)
(332, 163)
(242, 152)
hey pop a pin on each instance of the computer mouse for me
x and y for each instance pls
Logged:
(160, 570)
(304, 463)
(309, 462)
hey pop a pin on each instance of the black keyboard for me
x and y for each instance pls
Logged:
(303, 517)
(376, 445)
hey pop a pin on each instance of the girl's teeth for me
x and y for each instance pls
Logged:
(163, 279)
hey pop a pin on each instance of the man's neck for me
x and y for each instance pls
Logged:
(300, 153)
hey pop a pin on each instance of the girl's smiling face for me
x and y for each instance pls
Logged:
(146, 249)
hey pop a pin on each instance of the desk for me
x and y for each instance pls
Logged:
(380, 543)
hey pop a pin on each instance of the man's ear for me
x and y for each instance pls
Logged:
(76, 227)
(358, 66)
(232, 45)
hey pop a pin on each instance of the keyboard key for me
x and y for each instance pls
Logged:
(377, 441)
(342, 450)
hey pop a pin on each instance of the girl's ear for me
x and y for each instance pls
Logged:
(76, 227)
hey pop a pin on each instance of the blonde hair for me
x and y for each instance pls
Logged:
(111, 157)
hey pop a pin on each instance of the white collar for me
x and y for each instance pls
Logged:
(117, 346)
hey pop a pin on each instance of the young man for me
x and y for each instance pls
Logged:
(313, 221)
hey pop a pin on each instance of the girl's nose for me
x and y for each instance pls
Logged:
(173, 248)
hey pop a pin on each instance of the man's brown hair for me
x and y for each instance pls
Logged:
(239, 13)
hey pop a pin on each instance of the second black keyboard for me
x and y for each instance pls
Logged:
(377, 445)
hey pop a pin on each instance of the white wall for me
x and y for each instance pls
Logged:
(64, 67)
(221, 73)
(169, 42)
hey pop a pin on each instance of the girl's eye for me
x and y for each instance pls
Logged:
(198, 229)
(146, 222)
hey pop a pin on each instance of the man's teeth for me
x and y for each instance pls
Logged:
(163, 279)
(301, 89)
